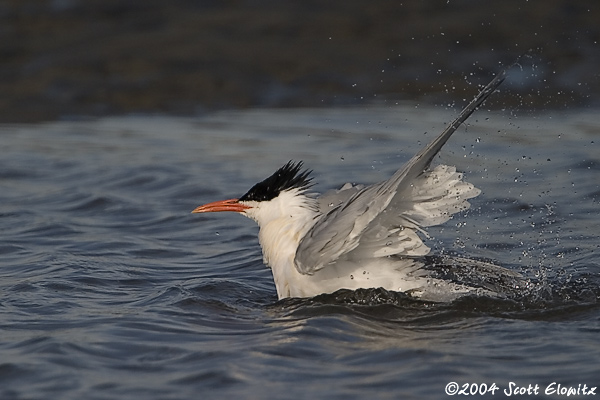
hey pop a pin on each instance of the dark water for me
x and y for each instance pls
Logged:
(109, 57)
(111, 289)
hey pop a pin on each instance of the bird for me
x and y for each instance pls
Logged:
(370, 236)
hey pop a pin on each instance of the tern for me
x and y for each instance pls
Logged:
(369, 236)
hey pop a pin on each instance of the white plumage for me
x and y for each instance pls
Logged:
(368, 236)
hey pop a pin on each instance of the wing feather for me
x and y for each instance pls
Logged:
(382, 219)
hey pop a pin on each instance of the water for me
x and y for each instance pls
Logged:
(110, 288)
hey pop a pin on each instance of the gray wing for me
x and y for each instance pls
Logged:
(382, 219)
(335, 198)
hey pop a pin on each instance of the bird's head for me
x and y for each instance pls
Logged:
(279, 195)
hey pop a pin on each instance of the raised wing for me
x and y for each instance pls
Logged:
(382, 219)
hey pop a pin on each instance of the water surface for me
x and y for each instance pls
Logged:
(110, 288)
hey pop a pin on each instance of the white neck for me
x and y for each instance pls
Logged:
(283, 222)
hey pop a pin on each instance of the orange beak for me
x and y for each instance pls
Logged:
(222, 205)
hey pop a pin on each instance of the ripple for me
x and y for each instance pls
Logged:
(112, 289)
(93, 203)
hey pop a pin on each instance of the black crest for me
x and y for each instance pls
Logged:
(287, 177)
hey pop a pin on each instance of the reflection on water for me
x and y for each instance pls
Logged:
(112, 289)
